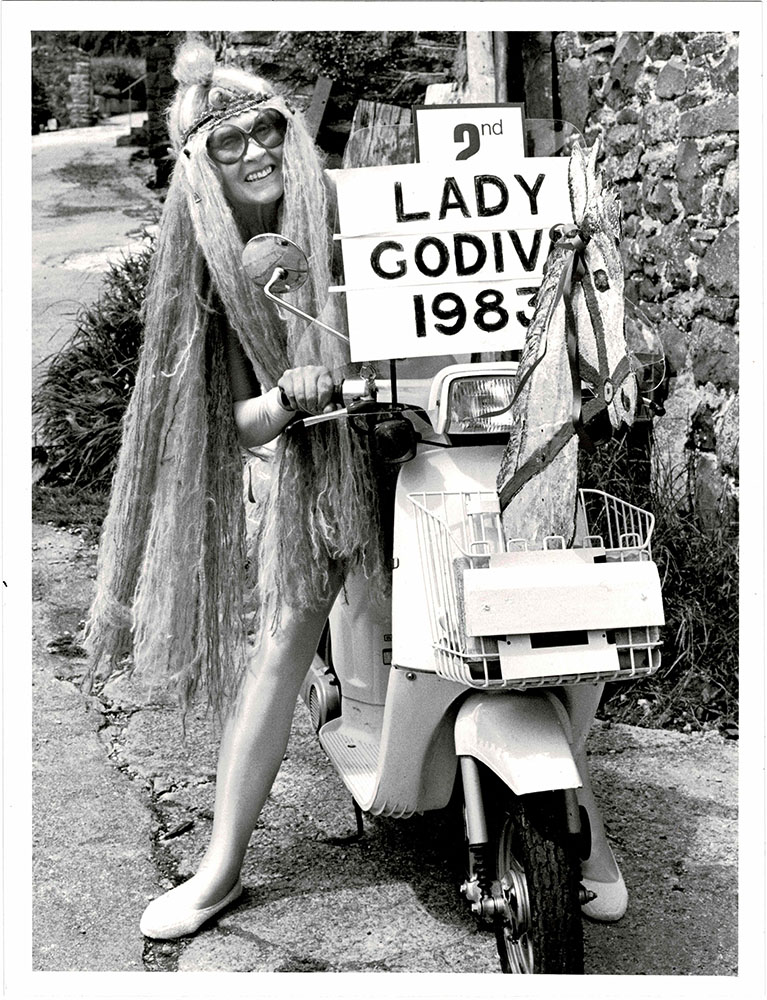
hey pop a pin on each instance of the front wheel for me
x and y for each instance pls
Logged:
(538, 929)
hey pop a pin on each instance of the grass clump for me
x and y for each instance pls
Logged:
(80, 511)
(696, 687)
(80, 401)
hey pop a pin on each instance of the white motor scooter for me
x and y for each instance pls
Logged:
(488, 658)
(478, 678)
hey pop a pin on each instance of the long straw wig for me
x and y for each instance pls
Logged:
(172, 561)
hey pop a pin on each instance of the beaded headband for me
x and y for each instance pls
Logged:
(240, 101)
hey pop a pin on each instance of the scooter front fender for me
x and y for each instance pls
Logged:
(524, 737)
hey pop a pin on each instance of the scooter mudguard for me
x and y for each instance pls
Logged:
(524, 737)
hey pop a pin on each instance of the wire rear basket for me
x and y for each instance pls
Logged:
(461, 531)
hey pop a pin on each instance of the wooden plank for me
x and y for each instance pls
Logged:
(316, 110)
(520, 661)
(380, 134)
(480, 60)
(573, 596)
(544, 557)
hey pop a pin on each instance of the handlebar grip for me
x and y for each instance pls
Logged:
(337, 397)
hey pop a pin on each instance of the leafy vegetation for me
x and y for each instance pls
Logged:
(98, 43)
(41, 105)
(369, 65)
(111, 75)
(51, 66)
(696, 686)
(86, 387)
(352, 59)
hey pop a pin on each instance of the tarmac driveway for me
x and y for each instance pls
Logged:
(123, 807)
(89, 206)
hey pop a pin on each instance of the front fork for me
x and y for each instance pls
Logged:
(489, 897)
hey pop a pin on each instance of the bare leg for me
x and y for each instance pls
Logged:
(253, 745)
(582, 701)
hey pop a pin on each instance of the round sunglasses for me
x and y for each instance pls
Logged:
(228, 142)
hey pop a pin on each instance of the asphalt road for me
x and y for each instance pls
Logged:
(123, 807)
(89, 206)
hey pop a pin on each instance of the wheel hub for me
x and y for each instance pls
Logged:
(514, 900)
(512, 904)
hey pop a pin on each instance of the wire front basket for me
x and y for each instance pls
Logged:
(460, 531)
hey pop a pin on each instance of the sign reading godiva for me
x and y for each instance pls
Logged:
(444, 256)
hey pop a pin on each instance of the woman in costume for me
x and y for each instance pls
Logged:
(221, 369)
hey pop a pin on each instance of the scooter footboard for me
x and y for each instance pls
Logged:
(524, 738)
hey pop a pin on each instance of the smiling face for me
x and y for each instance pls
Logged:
(255, 180)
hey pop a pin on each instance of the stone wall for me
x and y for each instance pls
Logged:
(665, 107)
(63, 75)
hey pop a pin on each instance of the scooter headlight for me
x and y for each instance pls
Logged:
(473, 404)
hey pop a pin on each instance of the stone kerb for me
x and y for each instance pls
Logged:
(666, 109)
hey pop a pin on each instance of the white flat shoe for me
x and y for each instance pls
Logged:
(611, 902)
(168, 917)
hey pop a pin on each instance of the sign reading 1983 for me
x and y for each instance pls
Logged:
(444, 256)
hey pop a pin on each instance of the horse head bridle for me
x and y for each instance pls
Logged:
(601, 380)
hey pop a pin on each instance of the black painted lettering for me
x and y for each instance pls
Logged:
(532, 193)
(528, 261)
(481, 182)
(452, 198)
(402, 215)
(522, 316)
(420, 316)
(498, 253)
(470, 132)
(375, 260)
(442, 252)
(460, 241)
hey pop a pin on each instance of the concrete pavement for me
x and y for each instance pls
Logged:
(92, 861)
(123, 802)
(89, 206)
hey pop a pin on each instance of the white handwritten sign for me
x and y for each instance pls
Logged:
(431, 198)
(476, 132)
(410, 322)
(445, 257)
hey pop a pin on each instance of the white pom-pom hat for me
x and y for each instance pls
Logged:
(209, 93)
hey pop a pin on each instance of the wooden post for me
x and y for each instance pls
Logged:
(479, 85)
(537, 68)
(480, 63)
(316, 109)
(501, 66)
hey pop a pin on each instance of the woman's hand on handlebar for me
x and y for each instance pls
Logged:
(309, 389)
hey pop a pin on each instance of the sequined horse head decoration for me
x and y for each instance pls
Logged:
(576, 335)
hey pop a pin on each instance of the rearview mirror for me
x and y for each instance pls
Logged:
(269, 252)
